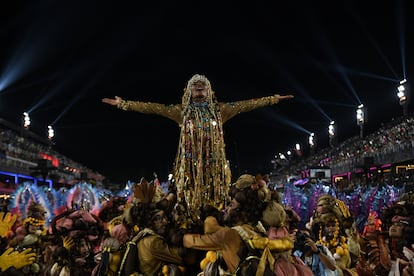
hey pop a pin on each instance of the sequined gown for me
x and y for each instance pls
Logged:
(201, 170)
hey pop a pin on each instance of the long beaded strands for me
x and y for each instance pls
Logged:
(201, 163)
(205, 156)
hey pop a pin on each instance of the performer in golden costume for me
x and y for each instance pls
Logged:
(201, 170)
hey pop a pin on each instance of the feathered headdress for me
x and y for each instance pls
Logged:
(146, 192)
(145, 195)
(30, 196)
(83, 196)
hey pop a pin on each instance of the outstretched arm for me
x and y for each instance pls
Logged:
(283, 97)
(116, 101)
(172, 112)
(231, 109)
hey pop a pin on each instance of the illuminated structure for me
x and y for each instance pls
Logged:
(50, 133)
(361, 118)
(312, 143)
(332, 133)
(403, 95)
(26, 120)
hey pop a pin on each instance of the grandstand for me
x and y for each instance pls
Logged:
(26, 156)
(388, 150)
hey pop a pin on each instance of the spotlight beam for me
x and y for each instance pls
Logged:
(366, 74)
(401, 28)
(280, 119)
(303, 91)
(326, 45)
(327, 103)
(375, 44)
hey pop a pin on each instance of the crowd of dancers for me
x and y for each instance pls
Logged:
(144, 230)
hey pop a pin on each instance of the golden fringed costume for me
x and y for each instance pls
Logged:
(201, 169)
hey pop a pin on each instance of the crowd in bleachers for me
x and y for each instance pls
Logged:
(20, 154)
(393, 143)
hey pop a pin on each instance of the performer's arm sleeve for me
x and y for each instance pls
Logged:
(172, 112)
(161, 250)
(231, 109)
(212, 241)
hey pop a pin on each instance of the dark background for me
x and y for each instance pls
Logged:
(60, 58)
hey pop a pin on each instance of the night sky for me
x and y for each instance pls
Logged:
(60, 58)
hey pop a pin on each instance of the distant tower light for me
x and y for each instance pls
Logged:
(331, 129)
(298, 150)
(332, 133)
(360, 115)
(312, 140)
(361, 118)
(403, 95)
(26, 120)
(401, 92)
(50, 132)
(312, 143)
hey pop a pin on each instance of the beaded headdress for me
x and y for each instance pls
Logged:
(187, 90)
(35, 214)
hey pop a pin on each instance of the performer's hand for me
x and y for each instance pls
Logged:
(115, 101)
(408, 269)
(309, 242)
(6, 223)
(408, 253)
(68, 242)
(284, 97)
(11, 258)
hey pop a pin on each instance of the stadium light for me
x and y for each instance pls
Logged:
(332, 133)
(26, 120)
(312, 142)
(402, 94)
(331, 129)
(361, 118)
(50, 133)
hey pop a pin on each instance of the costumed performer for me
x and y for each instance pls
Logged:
(201, 170)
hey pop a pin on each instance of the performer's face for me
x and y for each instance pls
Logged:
(396, 230)
(83, 248)
(199, 92)
(231, 211)
(330, 229)
(34, 229)
(160, 223)
(321, 208)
